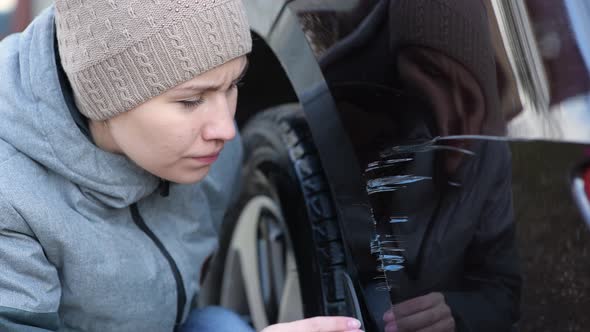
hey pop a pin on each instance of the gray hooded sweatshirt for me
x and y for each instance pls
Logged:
(87, 242)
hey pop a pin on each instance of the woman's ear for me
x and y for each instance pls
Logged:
(468, 116)
(456, 100)
(469, 101)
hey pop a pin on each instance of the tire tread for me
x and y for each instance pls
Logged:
(320, 208)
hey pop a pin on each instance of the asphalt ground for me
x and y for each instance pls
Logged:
(553, 240)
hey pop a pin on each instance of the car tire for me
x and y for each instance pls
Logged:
(281, 165)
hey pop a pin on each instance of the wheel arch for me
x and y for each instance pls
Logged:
(276, 28)
(266, 83)
(283, 68)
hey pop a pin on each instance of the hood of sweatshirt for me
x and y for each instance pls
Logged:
(36, 121)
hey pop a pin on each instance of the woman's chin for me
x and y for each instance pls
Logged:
(188, 177)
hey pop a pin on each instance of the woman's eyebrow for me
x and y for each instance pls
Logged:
(192, 87)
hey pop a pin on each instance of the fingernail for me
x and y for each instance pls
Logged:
(354, 324)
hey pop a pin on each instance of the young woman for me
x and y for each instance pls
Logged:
(118, 158)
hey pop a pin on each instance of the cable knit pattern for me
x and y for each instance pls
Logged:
(118, 54)
(238, 20)
(181, 52)
(212, 35)
(86, 81)
(146, 67)
(118, 82)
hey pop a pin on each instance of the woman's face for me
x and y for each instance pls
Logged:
(179, 134)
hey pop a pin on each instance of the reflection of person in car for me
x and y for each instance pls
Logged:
(471, 280)
(118, 157)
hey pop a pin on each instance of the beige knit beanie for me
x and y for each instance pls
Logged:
(118, 54)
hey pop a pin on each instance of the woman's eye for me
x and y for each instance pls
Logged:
(192, 103)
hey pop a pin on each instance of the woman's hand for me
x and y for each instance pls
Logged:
(318, 324)
(425, 313)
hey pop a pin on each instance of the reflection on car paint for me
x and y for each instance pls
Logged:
(375, 121)
(422, 147)
(392, 183)
(385, 163)
(398, 220)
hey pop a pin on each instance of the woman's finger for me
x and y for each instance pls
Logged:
(318, 324)
(425, 318)
(389, 316)
(446, 325)
(391, 327)
(417, 305)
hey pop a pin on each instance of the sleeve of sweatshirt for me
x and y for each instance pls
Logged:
(490, 298)
(29, 284)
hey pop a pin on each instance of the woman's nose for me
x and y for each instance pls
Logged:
(221, 124)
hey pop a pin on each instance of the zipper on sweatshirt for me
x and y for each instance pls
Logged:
(181, 293)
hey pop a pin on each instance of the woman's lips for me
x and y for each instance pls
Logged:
(206, 159)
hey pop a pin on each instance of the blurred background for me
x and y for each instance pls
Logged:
(16, 14)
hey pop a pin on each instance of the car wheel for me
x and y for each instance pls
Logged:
(282, 256)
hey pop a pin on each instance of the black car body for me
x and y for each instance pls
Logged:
(335, 60)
